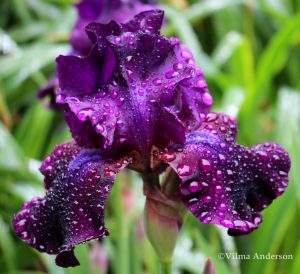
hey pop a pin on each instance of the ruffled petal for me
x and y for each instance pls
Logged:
(78, 182)
(101, 11)
(153, 95)
(225, 183)
(85, 76)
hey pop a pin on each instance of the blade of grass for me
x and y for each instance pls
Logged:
(280, 214)
(271, 62)
(7, 246)
(184, 30)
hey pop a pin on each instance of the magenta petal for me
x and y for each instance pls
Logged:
(226, 183)
(78, 182)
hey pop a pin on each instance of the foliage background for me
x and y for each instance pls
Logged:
(249, 51)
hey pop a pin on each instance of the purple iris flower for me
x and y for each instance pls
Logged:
(138, 100)
(102, 11)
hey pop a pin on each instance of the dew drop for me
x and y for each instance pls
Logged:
(207, 99)
(178, 66)
(219, 174)
(207, 199)
(99, 128)
(223, 129)
(171, 74)
(207, 220)
(204, 184)
(192, 201)
(186, 55)
(282, 173)
(202, 215)
(227, 223)
(84, 113)
(184, 170)
(194, 186)
(211, 117)
(222, 207)
(117, 40)
(157, 82)
(240, 224)
(201, 84)
(218, 189)
(206, 166)
(263, 155)
(168, 156)
(229, 172)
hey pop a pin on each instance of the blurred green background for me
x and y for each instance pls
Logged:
(249, 51)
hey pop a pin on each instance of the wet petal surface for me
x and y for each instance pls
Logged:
(226, 183)
(101, 11)
(78, 183)
(154, 96)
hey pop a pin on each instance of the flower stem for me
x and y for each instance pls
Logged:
(162, 221)
(166, 267)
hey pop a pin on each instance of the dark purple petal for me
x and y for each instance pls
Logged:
(101, 11)
(78, 182)
(148, 21)
(79, 75)
(152, 95)
(226, 183)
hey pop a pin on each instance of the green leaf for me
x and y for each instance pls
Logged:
(270, 63)
(184, 31)
(7, 247)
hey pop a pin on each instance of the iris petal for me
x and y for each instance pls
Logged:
(102, 11)
(226, 183)
(78, 182)
(153, 87)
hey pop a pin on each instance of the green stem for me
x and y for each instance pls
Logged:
(166, 267)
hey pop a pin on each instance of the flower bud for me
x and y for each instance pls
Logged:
(162, 225)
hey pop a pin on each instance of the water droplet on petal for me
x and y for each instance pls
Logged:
(186, 55)
(218, 189)
(84, 114)
(194, 186)
(178, 66)
(192, 201)
(206, 166)
(207, 99)
(117, 40)
(207, 220)
(219, 174)
(229, 172)
(240, 224)
(99, 128)
(168, 156)
(282, 173)
(157, 82)
(222, 207)
(171, 74)
(201, 84)
(207, 199)
(184, 170)
(263, 155)
(227, 223)
(211, 117)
